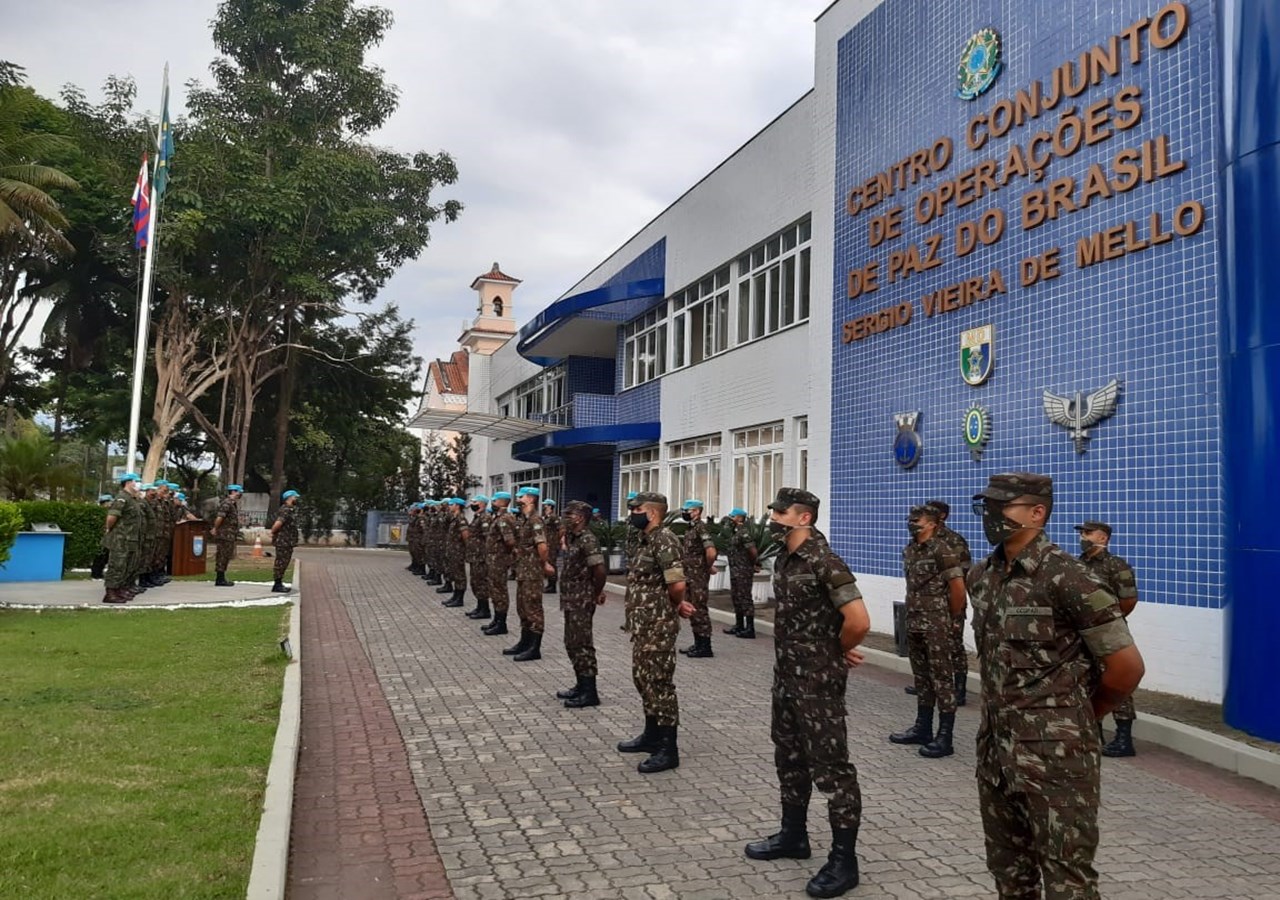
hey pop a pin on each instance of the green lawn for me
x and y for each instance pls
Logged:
(134, 749)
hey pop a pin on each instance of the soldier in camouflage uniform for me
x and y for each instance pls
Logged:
(582, 590)
(146, 540)
(629, 545)
(656, 603)
(501, 548)
(99, 565)
(1042, 623)
(698, 557)
(474, 537)
(160, 508)
(742, 569)
(1117, 575)
(226, 532)
(532, 569)
(284, 537)
(121, 540)
(935, 594)
(413, 538)
(960, 547)
(430, 541)
(551, 526)
(819, 623)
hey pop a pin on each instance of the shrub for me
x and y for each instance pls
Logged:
(10, 525)
(83, 522)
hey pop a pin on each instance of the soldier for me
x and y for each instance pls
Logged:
(501, 546)
(430, 542)
(184, 513)
(99, 565)
(455, 551)
(1040, 621)
(474, 536)
(121, 540)
(584, 579)
(413, 538)
(146, 539)
(819, 623)
(164, 540)
(284, 537)
(226, 531)
(551, 526)
(1117, 575)
(742, 569)
(960, 547)
(698, 549)
(935, 596)
(655, 605)
(532, 568)
(629, 545)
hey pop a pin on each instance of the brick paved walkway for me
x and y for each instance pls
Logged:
(528, 799)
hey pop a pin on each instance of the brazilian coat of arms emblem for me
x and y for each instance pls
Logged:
(980, 65)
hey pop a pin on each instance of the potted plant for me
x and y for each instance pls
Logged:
(611, 536)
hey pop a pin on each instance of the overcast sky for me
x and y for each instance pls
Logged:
(573, 122)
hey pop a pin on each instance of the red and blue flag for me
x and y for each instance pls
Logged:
(141, 207)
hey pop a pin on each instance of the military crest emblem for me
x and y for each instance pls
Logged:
(197, 545)
(907, 445)
(977, 354)
(1080, 412)
(980, 65)
(977, 430)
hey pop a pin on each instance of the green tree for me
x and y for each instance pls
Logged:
(30, 466)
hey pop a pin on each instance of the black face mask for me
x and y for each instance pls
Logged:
(475, 508)
(778, 529)
(638, 520)
(686, 515)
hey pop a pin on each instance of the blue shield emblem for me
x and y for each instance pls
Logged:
(977, 354)
(197, 545)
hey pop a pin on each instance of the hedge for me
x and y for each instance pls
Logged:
(83, 521)
(10, 525)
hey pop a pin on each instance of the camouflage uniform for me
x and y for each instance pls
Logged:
(741, 570)
(414, 538)
(655, 623)
(122, 542)
(164, 535)
(1039, 622)
(694, 544)
(530, 576)
(501, 529)
(929, 568)
(1114, 572)
(959, 547)
(147, 538)
(228, 534)
(809, 675)
(285, 539)
(455, 554)
(477, 546)
(432, 539)
(578, 600)
(554, 531)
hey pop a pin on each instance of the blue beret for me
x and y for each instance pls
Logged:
(181, 496)
(631, 495)
(502, 495)
(287, 494)
(737, 511)
(528, 492)
(456, 501)
(692, 504)
(548, 503)
(103, 498)
(234, 487)
(479, 498)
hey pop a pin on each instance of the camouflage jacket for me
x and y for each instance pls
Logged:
(553, 530)
(502, 528)
(126, 534)
(958, 545)
(740, 545)
(413, 531)
(287, 516)
(655, 565)
(582, 553)
(529, 534)
(150, 525)
(929, 568)
(1112, 571)
(693, 547)
(1041, 622)
(477, 537)
(810, 585)
(230, 512)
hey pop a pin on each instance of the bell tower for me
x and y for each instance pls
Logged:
(495, 321)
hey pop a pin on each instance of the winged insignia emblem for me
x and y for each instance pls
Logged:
(1080, 412)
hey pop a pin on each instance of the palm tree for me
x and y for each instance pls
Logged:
(27, 212)
(29, 467)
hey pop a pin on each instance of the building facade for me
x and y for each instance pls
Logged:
(991, 237)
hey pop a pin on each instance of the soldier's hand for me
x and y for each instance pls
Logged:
(549, 569)
(600, 599)
(853, 658)
(685, 609)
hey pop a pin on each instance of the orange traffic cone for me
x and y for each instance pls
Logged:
(257, 548)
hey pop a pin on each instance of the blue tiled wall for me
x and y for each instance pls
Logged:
(1154, 469)
(589, 375)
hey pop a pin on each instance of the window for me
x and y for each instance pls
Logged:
(757, 466)
(700, 320)
(639, 471)
(537, 396)
(802, 448)
(773, 283)
(548, 479)
(695, 472)
(645, 353)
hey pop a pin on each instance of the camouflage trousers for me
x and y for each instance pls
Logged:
(499, 594)
(1032, 837)
(929, 647)
(415, 552)
(653, 658)
(226, 553)
(120, 569)
(480, 580)
(810, 744)
(284, 556)
(695, 591)
(456, 567)
(579, 642)
(160, 553)
(959, 656)
(740, 590)
(529, 604)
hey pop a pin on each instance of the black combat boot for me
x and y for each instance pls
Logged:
(701, 648)
(446, 588)
(737, 624)
(497, 626)
(666, 756)
(919, 733)
(520, 646)
(940, 746)
(646, 741)
(481, 611)
(456, 600)
(551, 585)
(840, 874)
(279, 587)
(962, 687)
(533, 651)
(586, 697)
(412, 567)
(1122, 743)
(433, 577)
(909, 689)
(570, 693)
(221, 581)
(748, 627)
(791, 841)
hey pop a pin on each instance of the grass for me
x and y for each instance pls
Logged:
(133, 750)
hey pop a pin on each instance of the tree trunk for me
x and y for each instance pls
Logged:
(287, 381)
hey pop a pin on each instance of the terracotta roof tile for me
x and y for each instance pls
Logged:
(494, 274)
(451, 375)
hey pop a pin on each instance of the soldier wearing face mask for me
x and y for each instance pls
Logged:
(698, 559)
(1117, 575)
(475, 535)
(935, 594)
(500, 547)
(1040, 620)
(533, 565)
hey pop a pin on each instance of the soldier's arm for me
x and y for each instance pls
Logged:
(853, 630)
(276, 526)
(111, 522)
(1126, 589)
(1123, 671)
(953, 574)
(1095, 612)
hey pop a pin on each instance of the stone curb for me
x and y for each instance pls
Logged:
(271, 849)
(1205, 746)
